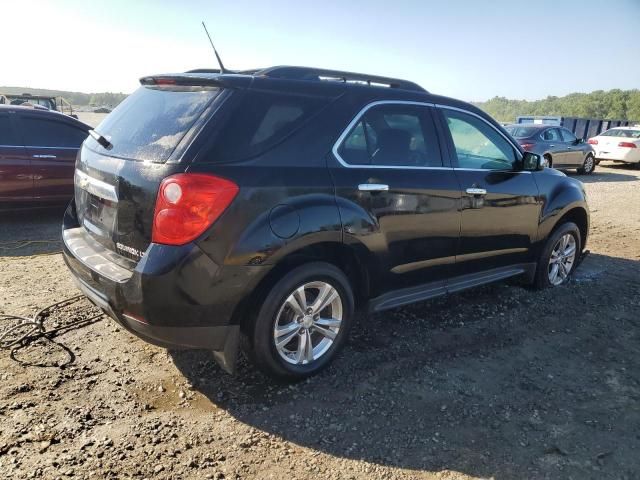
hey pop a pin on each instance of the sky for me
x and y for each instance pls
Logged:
(472, 50)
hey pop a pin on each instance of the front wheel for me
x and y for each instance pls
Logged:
(303, 322)
(559, 256)
(588, 166)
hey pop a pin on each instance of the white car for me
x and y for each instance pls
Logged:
(619, 144)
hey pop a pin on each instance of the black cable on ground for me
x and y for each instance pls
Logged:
(28, 329)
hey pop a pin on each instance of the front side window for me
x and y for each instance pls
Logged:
(477, 144)
(567, 136)
(392, 135)
(39, 132)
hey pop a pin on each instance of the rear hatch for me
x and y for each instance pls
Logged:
(117, 180)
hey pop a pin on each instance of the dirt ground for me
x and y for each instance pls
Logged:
(498, 382)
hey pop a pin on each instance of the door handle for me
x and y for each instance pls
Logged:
(476, 191)
(373, 187)
(44, 156)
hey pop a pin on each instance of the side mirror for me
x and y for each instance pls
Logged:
(579, 141)
(533, 162)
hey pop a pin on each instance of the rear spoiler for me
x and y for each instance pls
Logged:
(198, 80)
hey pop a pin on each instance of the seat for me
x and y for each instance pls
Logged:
(393, 147)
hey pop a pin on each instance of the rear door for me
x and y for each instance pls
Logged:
(52, 145)
(500, 207)
(116, 187)
(398, 200)
(16, 176)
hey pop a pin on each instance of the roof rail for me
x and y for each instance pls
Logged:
(319, 74)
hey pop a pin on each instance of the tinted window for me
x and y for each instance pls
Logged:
(551, 135)
(477, 144)
(567, 136)
(521, 132)
(260, 120)
(392, 135)
(6, 134)
(149, 124)
(39, 132)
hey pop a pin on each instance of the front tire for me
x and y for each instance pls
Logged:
(303, 322)
(588, 166)
(559, 256)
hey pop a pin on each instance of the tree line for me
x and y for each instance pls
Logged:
(109, 99)
(611, 105)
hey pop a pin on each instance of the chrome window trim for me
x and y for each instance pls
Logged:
(358, 117)
(36, 146)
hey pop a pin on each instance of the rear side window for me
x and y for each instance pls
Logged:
(392, 135)
(150, 123)
(40, 132)
(260, 120)
(551, 135)
(6, 134)
(520, 132)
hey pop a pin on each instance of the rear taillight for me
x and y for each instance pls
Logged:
(188, 204)
(592, 141)
(627, 145)
(526, 146)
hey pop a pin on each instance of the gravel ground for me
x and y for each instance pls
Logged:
(496, 382)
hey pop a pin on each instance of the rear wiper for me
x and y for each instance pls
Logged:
(101, 139)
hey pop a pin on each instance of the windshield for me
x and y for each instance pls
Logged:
(520, 132)
(150, 123)
(619, 132)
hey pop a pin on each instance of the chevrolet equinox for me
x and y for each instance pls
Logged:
(261, 208)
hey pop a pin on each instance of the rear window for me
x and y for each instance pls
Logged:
(521, 132)
(622, 132)
(150, 123)
(260, 120)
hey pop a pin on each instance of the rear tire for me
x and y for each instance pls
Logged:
(549, 160)
(559, 256)
(312, 305)
(588, 166)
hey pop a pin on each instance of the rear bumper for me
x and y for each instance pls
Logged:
(631, 155)
(174, 297)
(212, 338)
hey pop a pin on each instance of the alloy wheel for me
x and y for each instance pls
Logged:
(308, 323)
(562, 259)
(588, 164)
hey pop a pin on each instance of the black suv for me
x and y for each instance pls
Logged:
(266, 206)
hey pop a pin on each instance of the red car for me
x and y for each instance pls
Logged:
(37, 156)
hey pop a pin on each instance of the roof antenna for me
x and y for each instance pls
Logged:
(222, 69)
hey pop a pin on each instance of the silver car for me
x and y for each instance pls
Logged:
(557, 145)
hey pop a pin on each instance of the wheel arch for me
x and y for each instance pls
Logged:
(338, 254)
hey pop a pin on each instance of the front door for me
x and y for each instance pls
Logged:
(16, 179)
(397, 200)
(500, 206)
(574, 154)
